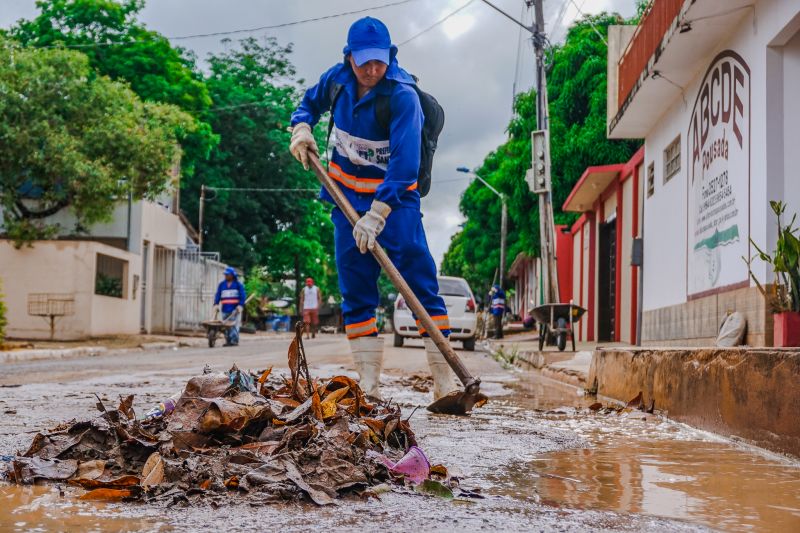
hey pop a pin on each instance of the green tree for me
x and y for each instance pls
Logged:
(122, 48)
(72, 139)
(576, 86)
(289, 232)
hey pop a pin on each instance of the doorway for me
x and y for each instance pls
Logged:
(607, 283)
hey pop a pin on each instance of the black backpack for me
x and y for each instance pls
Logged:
(431, 128)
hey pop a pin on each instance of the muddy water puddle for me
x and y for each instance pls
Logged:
(39, 508)
(643, 464)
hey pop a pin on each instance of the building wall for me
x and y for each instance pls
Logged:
(626, 242)
(791, 125)
(65, 268)
(768, 42)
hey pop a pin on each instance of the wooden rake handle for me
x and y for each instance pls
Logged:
(397, 279)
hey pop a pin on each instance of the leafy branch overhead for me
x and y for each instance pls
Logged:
(70, 138)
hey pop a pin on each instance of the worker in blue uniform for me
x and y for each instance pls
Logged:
(498, 309)
(230, 300)
(377, 171)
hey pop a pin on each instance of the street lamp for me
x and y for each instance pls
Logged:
(503, 220)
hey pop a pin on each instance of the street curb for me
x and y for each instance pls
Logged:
(22, 356)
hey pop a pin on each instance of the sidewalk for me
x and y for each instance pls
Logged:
(523, 350)
(21, 351)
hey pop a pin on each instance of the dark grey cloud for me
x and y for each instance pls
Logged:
(468, 63)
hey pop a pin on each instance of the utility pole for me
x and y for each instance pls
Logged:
(541, 166)
(200, 217)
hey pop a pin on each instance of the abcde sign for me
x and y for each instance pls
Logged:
(719, 177)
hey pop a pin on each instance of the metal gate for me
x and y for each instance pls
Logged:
(184, 283)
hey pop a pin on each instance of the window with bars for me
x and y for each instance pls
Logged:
(651, 179)
(672, 159)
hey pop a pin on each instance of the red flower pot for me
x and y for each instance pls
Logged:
(787, 329)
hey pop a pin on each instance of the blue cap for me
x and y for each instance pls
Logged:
(230, 271)
(369, 40)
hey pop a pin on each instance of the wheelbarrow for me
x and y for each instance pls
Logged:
(555, 324)
(215, 326)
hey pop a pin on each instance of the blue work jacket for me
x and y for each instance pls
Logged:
(230, 295)
(366, 163)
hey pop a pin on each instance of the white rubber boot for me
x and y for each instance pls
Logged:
(368, 360)
(444, 379)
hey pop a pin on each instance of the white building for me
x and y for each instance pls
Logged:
(141, 272)
(713, 88)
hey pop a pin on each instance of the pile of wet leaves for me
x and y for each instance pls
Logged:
(236, 435)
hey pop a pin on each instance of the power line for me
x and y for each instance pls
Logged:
(438, 22)
(602, 38)
(516, 64)
(237, 31)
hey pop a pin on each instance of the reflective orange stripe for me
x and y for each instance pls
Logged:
(442, 322)
(361, 329)
(368, 185)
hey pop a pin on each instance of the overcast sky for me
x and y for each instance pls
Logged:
(468, 62)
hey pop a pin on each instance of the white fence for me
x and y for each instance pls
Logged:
(184, 283)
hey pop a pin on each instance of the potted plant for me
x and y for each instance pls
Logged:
(784, 296)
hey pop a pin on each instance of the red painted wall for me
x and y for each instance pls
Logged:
(564, 262)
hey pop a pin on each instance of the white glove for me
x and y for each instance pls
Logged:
(215, 307)
(302, 142)
(239, 309)
(368, 227)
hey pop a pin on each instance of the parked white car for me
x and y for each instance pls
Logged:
(461, 310)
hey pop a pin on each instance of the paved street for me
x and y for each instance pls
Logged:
(540, 459)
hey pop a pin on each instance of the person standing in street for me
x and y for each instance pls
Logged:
(498, 309)
(230, 300)
(377, 164)
(310, 302)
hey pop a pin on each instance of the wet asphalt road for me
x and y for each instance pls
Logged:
(495, 450)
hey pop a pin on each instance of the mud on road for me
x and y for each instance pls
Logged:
(541, 460)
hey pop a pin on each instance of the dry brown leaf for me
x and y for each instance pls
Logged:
(294, 354)
(375, 425)
(328, 410)
(316, 407)
(126, 407)
(153, 471)
(265, 375)
(120, 482)
(337, 395)
(276, 422)
(232, 482)
(287, 401)
(596, 406)
(107, 494)
(90, 469)
(205, 484)
(391, 425)
(439, 470)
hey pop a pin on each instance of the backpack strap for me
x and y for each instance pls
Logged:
(383, 112)
(333, 95)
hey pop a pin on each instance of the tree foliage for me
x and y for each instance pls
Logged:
(71, 138)
(287, 231)
(576, 84)
(120, 47)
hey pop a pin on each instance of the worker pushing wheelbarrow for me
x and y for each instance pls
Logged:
(228, 306)
(228, 327)
(556, 324)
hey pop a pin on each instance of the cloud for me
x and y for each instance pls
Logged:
(468, 63)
